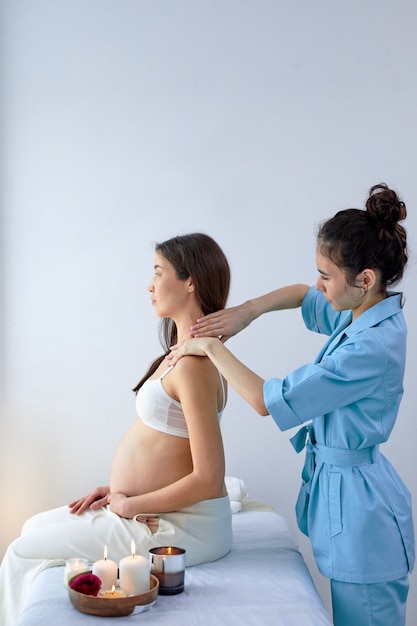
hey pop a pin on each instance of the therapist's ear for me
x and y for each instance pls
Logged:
(367, 279)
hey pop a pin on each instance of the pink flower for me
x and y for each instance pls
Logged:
(89, 584)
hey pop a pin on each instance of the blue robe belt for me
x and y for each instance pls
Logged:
(316, 455)
(344, 456)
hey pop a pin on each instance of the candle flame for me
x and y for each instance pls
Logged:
(113, 589)
(105, 552)
(133, 547)
(169, 551)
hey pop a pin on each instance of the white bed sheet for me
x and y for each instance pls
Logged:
(262, 581)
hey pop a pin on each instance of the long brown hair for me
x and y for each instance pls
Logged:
(199, 257)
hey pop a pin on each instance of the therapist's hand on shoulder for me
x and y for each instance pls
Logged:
(223, 324)
(190, 347)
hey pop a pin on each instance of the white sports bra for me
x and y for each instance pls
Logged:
(159, 411)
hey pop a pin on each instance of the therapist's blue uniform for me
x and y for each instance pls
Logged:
(352, 503)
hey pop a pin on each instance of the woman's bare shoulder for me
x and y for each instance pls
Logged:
(196, 369)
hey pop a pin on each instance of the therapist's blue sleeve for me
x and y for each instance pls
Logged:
(353, 372)
(318, 315)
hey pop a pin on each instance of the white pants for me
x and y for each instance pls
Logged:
(49, 539)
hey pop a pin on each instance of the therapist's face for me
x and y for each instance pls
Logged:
(332, 283)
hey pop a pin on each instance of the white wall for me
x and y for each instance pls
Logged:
(125, 123)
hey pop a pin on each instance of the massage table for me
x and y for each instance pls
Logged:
(263, 581)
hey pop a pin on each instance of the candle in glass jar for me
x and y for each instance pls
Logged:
(168, 565)
(134, 573)
(74, 566)
(106, 570)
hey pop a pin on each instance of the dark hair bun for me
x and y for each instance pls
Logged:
(384, 207)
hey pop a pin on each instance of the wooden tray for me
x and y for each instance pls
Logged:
(113, 607)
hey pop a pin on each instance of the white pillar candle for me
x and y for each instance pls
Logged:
(134, 573)
(106, 570)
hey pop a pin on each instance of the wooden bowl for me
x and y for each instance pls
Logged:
(112, 607)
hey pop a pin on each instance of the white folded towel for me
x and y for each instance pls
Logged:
(235, 507)
(236, 490)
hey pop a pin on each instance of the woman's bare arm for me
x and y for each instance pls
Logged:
(247, 384)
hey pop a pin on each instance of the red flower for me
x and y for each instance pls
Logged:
(89, 584)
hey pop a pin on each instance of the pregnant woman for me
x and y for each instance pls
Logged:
(167, 476)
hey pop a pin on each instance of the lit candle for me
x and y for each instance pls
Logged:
(106, 570)
(114, 592)
(168, 565)
(134, 573)
(75, 566)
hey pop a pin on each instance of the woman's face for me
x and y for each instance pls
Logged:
(332, 283)
(168, 293)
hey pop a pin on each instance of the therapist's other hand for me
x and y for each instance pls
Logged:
(223, 324)
(95, 500)
(190, 347)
